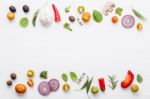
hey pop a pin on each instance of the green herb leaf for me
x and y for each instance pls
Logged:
(139, 15)
(24, 22)
(139, 78)
(73, 76)
(97, 16)
(67, 26)
(64, 77)
(119, 11)
(67, 9)
(113, 81)
(85, 84)
(89, 85)
(43, 74)
(35, 17)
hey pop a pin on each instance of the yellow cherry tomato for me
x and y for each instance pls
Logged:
(86, 16)
(139, 26)
(66, 87)
(30, 73)
(10, 15)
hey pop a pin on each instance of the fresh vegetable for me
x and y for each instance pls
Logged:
(139, 26)
(113, 81)
(54, 84)
(128, 21)
(101, 84)
(64, 77)
(11, 16)
(119, 11)
(13, 76)
(139, 78)
(97, 16)
(25, 8)
(30, 83)
(71, 18)
(134, 88)
(127, 80)
(86, 16)
(56, 12)
(12, 9)
(73, 76)
(66, 87)
(9, 82)
(24, 22)
(80, 22)
(45, 18)
(67, 9)
(81, 9)
(43, 74)
(20, 88)
(94, 90)
(81, 78)
(114, 19)
(67, 26)
(139, 15)
(30, 73)
(35, 17)
(44, 88)
(108, 8)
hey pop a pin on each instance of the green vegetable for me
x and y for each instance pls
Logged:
(94, 90)
(35, 17)
(64, 77)
(43, 74)
(24, 22)
(113, 81)
(67, 9)
(73, 76)
(139, 15)
(85, 84)
(67, 26)
(139, 78)
(134, 88)
(119, 11)
(97, 16)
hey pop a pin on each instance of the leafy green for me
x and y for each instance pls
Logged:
(43, 74)
(139, 78)
(97, 16)
(67, 9)
(64, 77)
(119, 11)
(24, 22)
(113, 81)
(67, 26)
(73, 76)
(35, 17)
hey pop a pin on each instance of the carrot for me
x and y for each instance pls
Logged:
(56, 12)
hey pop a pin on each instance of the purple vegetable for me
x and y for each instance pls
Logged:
(44, 88)
(54, 84)
(128, 21)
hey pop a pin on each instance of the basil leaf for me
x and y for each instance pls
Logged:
(73, 76)
(64, 77)
(139, 78)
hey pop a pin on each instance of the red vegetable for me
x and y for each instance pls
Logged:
(101, 84)
(128, 80)
(56, 12)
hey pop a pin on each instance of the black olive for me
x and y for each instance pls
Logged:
(12, 9)
(13, 76)
(26, 8)
(71, 18)
(9, 82)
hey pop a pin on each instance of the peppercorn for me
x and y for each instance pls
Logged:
(9, 82)
(13, 76)
(26, 8)
(71, 18)
(12, 9)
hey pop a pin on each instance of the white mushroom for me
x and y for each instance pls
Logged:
(108, 8)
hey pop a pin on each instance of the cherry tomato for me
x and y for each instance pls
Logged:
(114, 19)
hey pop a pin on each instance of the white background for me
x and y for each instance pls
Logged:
(97, 49)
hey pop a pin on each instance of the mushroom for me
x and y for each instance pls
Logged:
(108, 8)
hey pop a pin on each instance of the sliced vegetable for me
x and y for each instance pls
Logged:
(67, 9)
(128, 21)
(119, 11)
(20, 88)
(24, 22)
(56, 12)
(73, 76)
(43, 74)
(139, 78)
(113, 81)
(30, 83)
(114, 19)
(44, 88)
(86, 16)
(108, 8)
(139, 26)
(64, 77)
(127, 80)
(67, 26)
(81, 9)
(138, 14)
(101, 84)
(97, 16)
(134, 88)
(35, 17)
(54, 84)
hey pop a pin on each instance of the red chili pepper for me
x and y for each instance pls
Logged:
(128, 80)
(56, 12)
(101, 84)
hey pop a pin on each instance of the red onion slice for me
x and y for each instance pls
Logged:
(128, 21)
(44, 88)
(54, 84)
